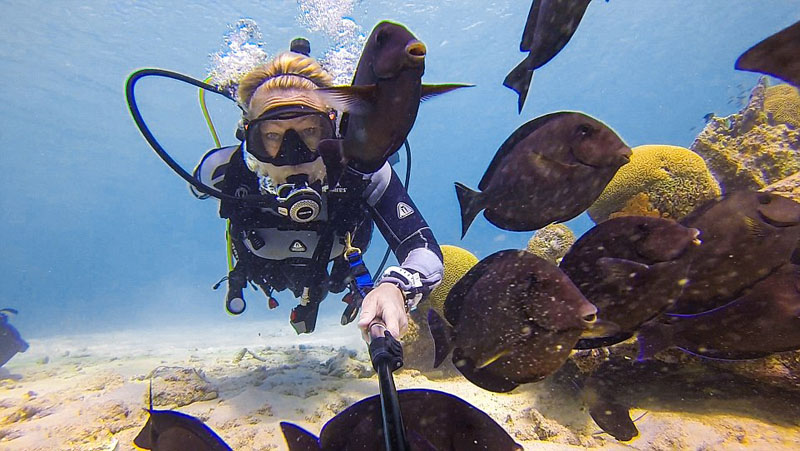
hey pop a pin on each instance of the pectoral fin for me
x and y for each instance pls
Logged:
(429, 91)
(352, 99)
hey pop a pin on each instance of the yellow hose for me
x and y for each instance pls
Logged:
(213, 131)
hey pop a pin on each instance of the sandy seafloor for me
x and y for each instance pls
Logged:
(86, 392)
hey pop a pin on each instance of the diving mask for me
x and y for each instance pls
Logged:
(288, 136)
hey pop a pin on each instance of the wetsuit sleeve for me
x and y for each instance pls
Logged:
(404, 228)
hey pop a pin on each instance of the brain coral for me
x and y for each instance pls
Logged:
(457, 262)
(674, 179)
(783, 102)
(748, 150)
(551, 242)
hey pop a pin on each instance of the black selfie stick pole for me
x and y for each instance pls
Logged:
(387, 356)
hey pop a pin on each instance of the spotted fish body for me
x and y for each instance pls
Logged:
(550, 169)
(746, 236)
(512, 319)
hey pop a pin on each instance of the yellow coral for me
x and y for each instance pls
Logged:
(551, 242)
(457, 262)
(783, 102)
(638, 205)
(675, 180)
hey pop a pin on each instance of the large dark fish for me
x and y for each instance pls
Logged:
(513, 319)
(550, 25)
(549, 170)
(762, 321)
(10, 341)
(778, 55)
(383, 100)
(746, 236)
(631, 269)
(168, 430)
(433, 421)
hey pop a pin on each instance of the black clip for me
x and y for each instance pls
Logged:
(386, 350)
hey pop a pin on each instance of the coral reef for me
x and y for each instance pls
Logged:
(638, 205)
(177, 387)
(783, 103)
(674, 180)
(457, 262)
(417, 342)
(750, 149)
(551, 242)
(788, 187)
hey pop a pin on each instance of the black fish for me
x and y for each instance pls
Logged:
(549, 170)
(631, 269)
(10, 341)
(778, 55)
(383, 100)
(764, 320)
(168, 430)
(746, 236)
(513, 319)
(550, 25)
(433, 421)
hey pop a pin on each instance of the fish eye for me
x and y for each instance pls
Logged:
(764, 199)
(585, 130)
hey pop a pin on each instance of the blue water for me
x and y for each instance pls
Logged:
(97, 233)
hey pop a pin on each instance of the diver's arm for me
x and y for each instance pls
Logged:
(408, 235)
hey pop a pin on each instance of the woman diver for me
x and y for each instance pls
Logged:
(315, 219)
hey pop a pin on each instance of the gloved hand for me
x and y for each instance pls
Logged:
(387, 303)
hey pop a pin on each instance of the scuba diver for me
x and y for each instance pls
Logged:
(316, 219)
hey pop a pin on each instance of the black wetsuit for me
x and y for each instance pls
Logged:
(277, 253)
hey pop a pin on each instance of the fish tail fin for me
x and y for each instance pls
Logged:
(653, 338)
(442, 337)
(471, 203)
(519, 81)
(299, 439)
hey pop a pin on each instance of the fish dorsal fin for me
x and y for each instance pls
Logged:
(754, 228)
(619, 269)
(430, 91)
(352, 99)
(8, 311)
(518, 135)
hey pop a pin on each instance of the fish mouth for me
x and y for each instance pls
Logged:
(416, 51)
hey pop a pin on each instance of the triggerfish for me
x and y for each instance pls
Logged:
(433, 421)
(631, 268)
(383, 100)
(763, 320)
(746, 235)
(549, 170)
(550, 26)
(778, 55)
(512, 319)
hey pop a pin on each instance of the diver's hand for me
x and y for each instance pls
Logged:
(385, 302)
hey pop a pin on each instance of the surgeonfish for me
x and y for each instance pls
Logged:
(631, 268)
(746, 235)
(762, 321)
(550, 169)
(383, 100)
(169, 430)
(433, 421)
(778, 55)
(512, 319)
(550, 26)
